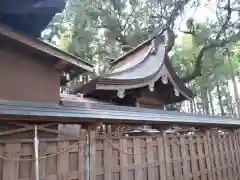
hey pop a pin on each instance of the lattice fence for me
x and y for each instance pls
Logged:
(184, 157)
(168, 157)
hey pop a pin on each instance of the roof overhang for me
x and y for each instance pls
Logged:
(29, 16)
(61, 60)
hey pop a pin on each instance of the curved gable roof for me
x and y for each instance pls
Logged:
(146, 66)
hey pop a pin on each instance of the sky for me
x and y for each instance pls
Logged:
(199, 14)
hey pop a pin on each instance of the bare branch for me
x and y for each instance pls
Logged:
(226, 21)
(130, 15)
(170, 21)
(188, 32)
(170, 39)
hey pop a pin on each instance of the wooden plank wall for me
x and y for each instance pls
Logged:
(62, 159)
(199, 157)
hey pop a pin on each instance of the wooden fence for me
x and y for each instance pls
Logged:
(195, 157)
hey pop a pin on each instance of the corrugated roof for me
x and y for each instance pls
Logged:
(112, 114)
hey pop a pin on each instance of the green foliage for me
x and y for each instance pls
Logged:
(215, 67)
(100, 30)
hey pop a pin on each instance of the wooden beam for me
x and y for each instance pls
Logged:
(93, 125)
(14, 131)
(60, 65)
(26, 127)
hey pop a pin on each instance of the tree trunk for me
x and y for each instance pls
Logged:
(235, 88)
(206, 101)
(194, 106)
(191, 106)
(200, 106)
(211, 102)
(220, 99)
(204, 96)
(231, 107)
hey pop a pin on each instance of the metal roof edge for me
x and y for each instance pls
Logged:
(112, 113)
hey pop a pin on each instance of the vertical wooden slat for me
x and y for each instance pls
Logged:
(193, 157)
(144, 158)
(51, 163)
(92, 147)
(227, 153)
(185, 158)
(107, 152)
(149, 148)
(212, 155)
(161, 159)
(176, 158)
(201, 157)
(236, 153)
(81, 160)
(167, 157)
(123, 160)
(237, 137)
(11, 168)
(237, 150)
(222, 158)
(209, 155)
(216, 156)
(63, 161)
(232, 157)
(42, 162)
(1, 160)
(137, 159)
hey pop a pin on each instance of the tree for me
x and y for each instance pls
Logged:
(102, 30)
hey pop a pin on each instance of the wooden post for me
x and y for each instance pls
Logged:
(161, 158)
(209, 155)
(150, 158)
(36, 153)
(91, 133)
(87, 158)
(123, 160)
(137, 159)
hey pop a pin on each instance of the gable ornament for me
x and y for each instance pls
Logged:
(121, 93)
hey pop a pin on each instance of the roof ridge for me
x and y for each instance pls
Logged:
(138, 47)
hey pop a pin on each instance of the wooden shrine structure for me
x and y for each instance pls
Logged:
(144, 77)
(132, 93)
(28, 62)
